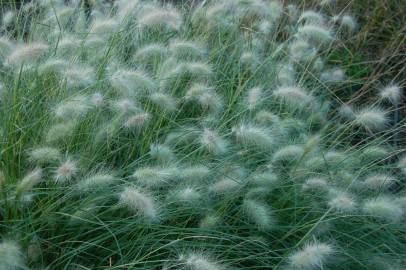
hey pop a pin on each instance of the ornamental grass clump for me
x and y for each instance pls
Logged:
(226, 135)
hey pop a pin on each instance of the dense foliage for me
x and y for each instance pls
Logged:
(137, 135)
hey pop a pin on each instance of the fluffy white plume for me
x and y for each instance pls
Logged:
(95, 182)
(26, 53)
(341, 201)
(372, 119)
(293, 96)
(313, 255)
(29, 181)
(195, 261)
(392, 93)
(213, 143)
(258, 213)
(66, 171)
(379, 181)
(45, 155)
(11, 256)
(169, 19)
(140, 203)
(248, 134)
(383, 208)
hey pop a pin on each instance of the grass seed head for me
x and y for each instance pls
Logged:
(383, 208)
(140, 203)
(391, 93)
(11, 256)
(313, 255)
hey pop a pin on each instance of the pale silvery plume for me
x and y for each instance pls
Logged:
(95, 182)
(156, 176)
(26, 53)
(44, 155)
(225, 186)
(315, 183)
(254, 98)
(375, 153)
(266, 27)
(164, 101)
(79, 76)
(162, 153)
(186, 50)
(251, 135)
(205, 96)
(391, 93)
(132, 83)
(29, 181)
(137, 121)
(383, 208)
(258, 213)
(140, 203)
(169, 19)
(213, 143)
(11, 256)
(8, 18)
(126, 105)
(104, 26)
(66, 171)
(334, 75)
(311, 17)
(288, 154)
(313, 255)
(75, 107)
(301, 51)
(315, 34)
(195, 261)
(379, 181)
(97, 99)
(348, 22)
(341, 201)
(372, 119)
(293, 96)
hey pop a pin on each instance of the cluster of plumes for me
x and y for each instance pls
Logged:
(212, 120)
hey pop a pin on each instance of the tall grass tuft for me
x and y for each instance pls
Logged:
(230, 134)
